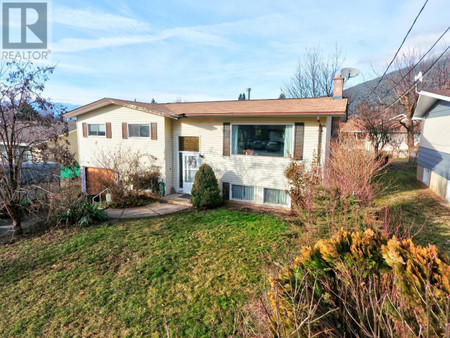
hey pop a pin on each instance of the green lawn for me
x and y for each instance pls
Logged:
(124, 278)
(190, 268)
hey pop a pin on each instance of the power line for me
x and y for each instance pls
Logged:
(414, 84)
(418, 62)
(398, 50)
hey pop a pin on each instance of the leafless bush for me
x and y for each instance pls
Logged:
(352, 171)
(392, 224)
(131, 171)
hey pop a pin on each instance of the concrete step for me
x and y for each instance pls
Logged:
(183, 202)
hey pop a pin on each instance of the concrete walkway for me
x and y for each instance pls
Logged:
(154, 209)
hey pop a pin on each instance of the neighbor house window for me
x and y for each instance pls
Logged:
(27, 156)
(275, 196)
(138, 130)
(262, 140)
(96, 129)
(242, 192)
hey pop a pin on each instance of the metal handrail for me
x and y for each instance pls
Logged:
(99, 195)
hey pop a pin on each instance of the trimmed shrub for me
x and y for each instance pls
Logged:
(205, 192)
(362, 284)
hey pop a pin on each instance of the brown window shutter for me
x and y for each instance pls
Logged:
(226, 139)
(226, 191)
(124, 130)
(85, 133)
(154, 131)
(299, 140)
(108, 130)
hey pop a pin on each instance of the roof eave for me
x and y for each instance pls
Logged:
(266, 114)
(106, 102)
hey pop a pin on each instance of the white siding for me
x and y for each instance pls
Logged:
(435, 128)
(258, 171)
(91, 147)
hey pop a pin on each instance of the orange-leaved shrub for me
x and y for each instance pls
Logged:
(362, 284)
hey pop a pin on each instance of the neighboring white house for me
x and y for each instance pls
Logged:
(247, 143)
(433, 160)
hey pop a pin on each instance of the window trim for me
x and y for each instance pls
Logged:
(261, 124)
(242, 185)
(288, 201)
(99, 124)
(139, 124)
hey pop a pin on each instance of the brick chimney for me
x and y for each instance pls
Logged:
(338, 87)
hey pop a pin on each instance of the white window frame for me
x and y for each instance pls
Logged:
(242, 185)
(261, 124)
(288, 201)
(99, 124)
(139, 124)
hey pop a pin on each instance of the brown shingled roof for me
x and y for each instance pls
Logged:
(310, 106)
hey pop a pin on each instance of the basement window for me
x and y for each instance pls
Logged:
(275, 196)
(242, 193)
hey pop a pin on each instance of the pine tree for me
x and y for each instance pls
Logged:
(205, 193)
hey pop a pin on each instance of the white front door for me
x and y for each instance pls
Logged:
(190, 164)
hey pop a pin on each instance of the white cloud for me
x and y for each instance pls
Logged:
(80, 96)
(97, 20)
(192, 35)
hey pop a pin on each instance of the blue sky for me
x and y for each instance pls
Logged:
(210, 50)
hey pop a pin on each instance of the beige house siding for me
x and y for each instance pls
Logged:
(258, 171)
(92, 146)
(168, 155)
(73, 143)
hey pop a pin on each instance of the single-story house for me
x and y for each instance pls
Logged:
(433, 169)
(247, 143)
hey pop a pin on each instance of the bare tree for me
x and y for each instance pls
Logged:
(376, 124)
(314, 74)
(127, 172)
(29, 134)
(400, 81)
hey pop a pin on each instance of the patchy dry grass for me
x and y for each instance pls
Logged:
(192, 268)
(412, 204)
(124, 278)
